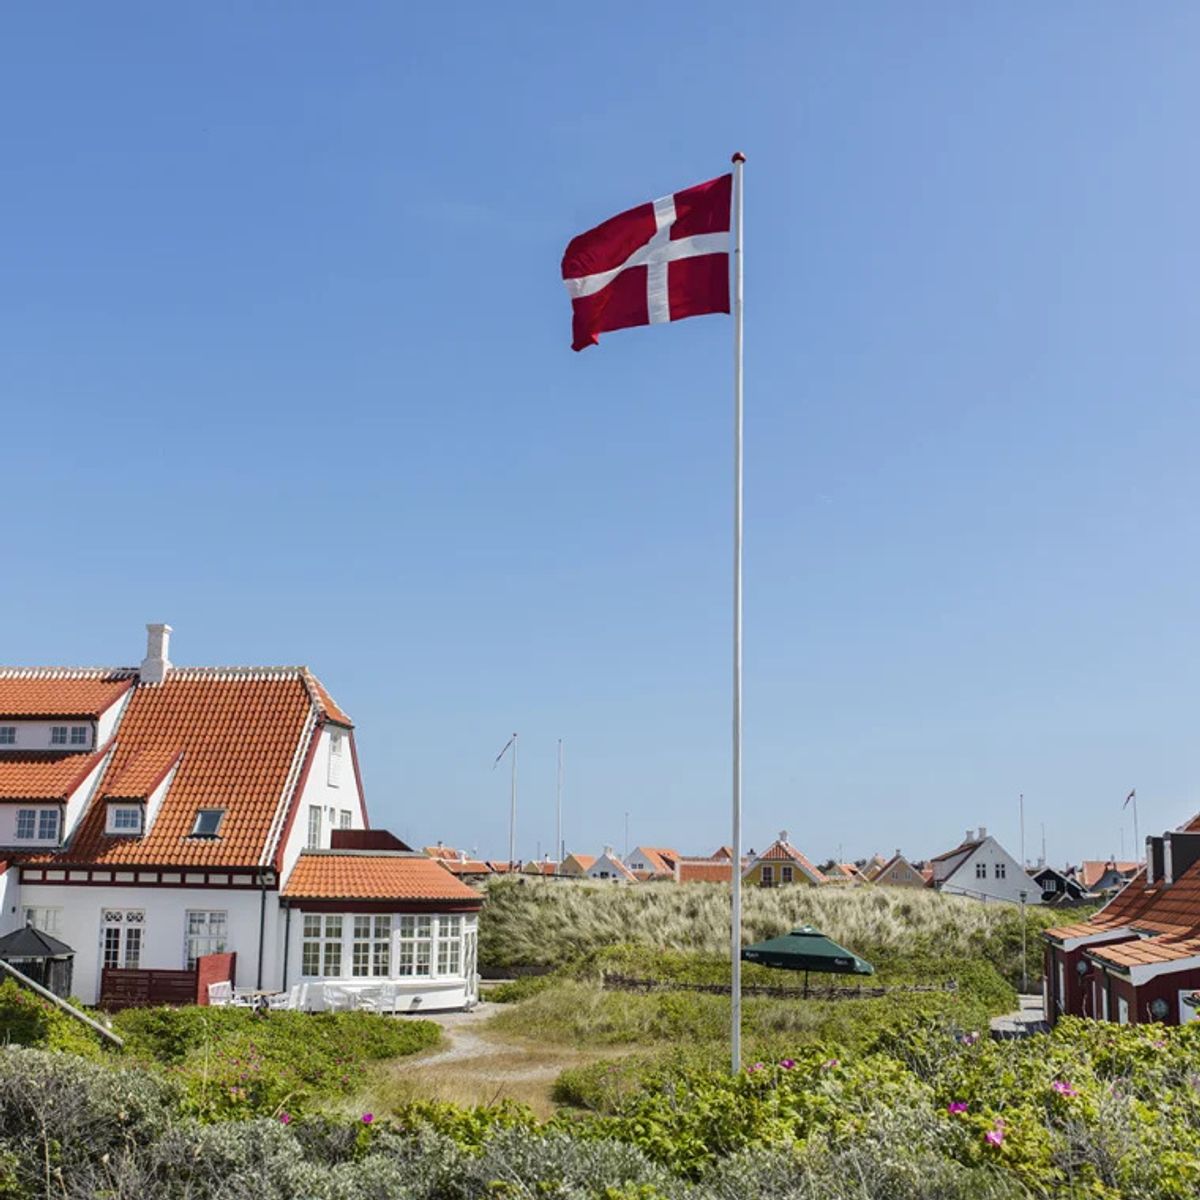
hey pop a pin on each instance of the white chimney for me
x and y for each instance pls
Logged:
(156, 664)
(982, 832)
(783, 835)
(970, 836)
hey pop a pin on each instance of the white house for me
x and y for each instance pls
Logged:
(981, 868)
(151, 816)
(609, 866)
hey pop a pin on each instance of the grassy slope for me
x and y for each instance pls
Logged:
(536, 923)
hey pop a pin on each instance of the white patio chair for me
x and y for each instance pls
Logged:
(243, 997)
(298, 998)
(279, 1001)
(220, 994)
(336, 998)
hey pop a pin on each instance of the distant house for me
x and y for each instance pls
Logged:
(538, 866)
(844, 873)
(898, 872)
(873, 866)
(608, 866)
(782, 865)
(1106, 877)
(653, 862)
(459, 863)
(576, 866)
(723, 852)
(1138, 959)
(1059, 887)
(703, 870)
(981, 868)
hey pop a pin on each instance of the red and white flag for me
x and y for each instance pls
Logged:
(661, 261)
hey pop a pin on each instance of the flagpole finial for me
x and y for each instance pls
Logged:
(738, 157)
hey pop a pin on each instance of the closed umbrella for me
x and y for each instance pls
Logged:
(806, 949)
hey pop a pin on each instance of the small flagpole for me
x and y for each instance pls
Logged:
(735, 923)
(512, 812)
(1137, 843)
(558, 854)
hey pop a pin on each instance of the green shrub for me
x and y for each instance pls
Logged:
(28, 1020)
(234, 1063)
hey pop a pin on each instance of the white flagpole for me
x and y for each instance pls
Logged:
(558, 854)
(512, 812)
(735, 924)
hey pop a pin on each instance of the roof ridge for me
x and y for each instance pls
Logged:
(68, 672)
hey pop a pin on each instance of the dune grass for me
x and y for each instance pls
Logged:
(543, 924)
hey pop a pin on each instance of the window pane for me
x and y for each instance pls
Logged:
(26, 822)
(312, 925)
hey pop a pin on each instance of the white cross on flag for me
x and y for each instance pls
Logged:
(661, 261)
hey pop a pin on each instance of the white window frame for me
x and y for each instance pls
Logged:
(1001, 870)
(49, 817)
(981, 870)
(113, 825)
(414, 945)
(321, 945)
(80, 736)
(315, 815)
(371, 945)
(345, 819)
(449, 945)
(8, 735)
(334, 766)
(59, 735)
(26, 817)
(48, 920)
(124, 950)
(205, 931)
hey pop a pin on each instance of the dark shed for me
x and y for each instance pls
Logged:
(40, 957)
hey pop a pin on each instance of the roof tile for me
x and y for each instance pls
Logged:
(331, 875)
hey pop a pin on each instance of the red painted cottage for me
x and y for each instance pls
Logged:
(1138, 958)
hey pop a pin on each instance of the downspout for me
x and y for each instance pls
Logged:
(262, 924)
(287, 941)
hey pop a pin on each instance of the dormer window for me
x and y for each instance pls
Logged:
(208, 822)
(58, 735)
(124, 819)
(79, 735)
(8, 735)
(37, 825)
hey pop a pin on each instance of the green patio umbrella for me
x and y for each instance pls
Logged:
(806, 949)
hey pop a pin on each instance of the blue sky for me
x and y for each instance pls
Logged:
(284, 359)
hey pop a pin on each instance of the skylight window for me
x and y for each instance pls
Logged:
(208, 822)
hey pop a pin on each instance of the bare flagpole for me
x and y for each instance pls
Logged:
(512, 812)
(735, 923)
(558, 842)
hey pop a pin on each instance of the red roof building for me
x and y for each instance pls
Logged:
(155, 815)
(1138, 958)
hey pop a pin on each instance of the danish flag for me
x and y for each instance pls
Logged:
(659, 262)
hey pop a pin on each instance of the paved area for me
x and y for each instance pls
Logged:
(1027, 1020)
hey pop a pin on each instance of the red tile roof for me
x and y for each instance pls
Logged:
(325, 703)
(143, 771)
(961, 848)
(62, 692)
(583, 861)
(465, 866)
(337, 875)
(34, 776)
(661, 859)
(704, 870)
(1091, 871)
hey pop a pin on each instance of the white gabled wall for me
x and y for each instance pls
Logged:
(78, 801)
(10, 900)
(110, 718)
(990, 853)
(333, 800)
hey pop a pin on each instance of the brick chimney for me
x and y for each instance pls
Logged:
(156, 664)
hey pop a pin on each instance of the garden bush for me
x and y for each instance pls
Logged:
(28, 1020)
(235, 1063)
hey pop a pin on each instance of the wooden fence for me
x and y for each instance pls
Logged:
(623, 983)
(124, 987)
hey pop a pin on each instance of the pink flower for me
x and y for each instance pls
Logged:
(367, 1118)
(1159, 1045)
(787, 1064)
(956, 1106)
(1063, 1088)
(994, 1137)
(830, 1063)
(285, 1118)
(755, 1067)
